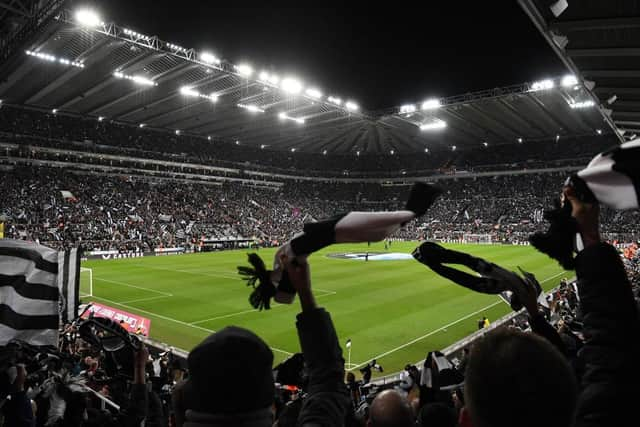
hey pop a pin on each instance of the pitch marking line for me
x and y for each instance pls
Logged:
(166, 294)
(239, 313)
(197, 273)
(159, 316)
(386, 353)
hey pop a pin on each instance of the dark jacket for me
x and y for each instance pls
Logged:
(327, 400)
(612, 333)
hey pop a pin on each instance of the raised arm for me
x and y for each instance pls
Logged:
(611, 326)
(327, 398)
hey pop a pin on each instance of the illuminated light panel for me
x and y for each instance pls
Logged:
(569, 80)
(520, 140)
(189, 91)
(293, 150)
(291, 85)
(313, 93)
(408, 108)
(392, 152)
(209, 138)
(582, 104)
(177, 131)
(209, 58)
(324, 152)
(54, 111)
(434, 125)
(88, 18)
(101, 118)
(426, 150)
(284, 116)
(251, 107)
(136, 79)
(431, 104)
(335, 100)
(174, 47)
(599, 131)
(141, 125)
(351, 106)
(486, 144)
(137, 35)
(244, 70)
(542, 85)
(453, 148)
(51, 58)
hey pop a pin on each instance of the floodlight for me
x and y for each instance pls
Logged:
(244, 70)
(599, 131)
(188, 91)
(88, 18)
(357, 153)
(264, 76)
(434, 125)
(408, 108)
(426, 150)
(143, 81)
(324, 152)
(282, 115)
(612, 99)
(177, 131)
(101, 118)
(237, 142)
(569, 80)
(209, 138)
(54, 111)
(335, 100)
(557, 138)
(262, 146)
(293, 150)
(141, 125)
(291, 85)
(486, 144)
(351, 106)
(314, 93)
(453, 148)
(431, 104)
(251, 107)
(520, 140)
(582, 104)
(209, 58)
(542, 85)
(274, 79)
(392, 152)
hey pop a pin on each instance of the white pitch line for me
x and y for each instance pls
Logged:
(150, 313)
(197, 273)
(239, 313)
(444, 327)
(166, 294)
(145, 299)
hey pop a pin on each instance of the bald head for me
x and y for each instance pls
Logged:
(390, 409)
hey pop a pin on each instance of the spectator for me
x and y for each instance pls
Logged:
(390, 409)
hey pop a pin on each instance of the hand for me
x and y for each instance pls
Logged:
(21, 377)
(587, 215)
(140, 359)
(300, 277)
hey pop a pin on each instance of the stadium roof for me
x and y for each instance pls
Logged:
(80, 65)
(600, 42)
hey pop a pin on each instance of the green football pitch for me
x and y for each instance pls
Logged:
(394, 311)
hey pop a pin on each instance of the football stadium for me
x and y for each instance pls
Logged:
(253, 216)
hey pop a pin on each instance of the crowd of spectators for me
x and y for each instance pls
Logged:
(59, 207)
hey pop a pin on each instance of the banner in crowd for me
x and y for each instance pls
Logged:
(38, 290)
(133, 323)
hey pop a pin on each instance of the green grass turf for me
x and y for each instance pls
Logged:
(395, 311)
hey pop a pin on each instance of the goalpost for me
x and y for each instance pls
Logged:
(86, 282)
(484, 239)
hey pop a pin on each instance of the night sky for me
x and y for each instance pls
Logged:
(380, 56)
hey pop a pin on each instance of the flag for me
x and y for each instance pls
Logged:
(614, 176)
(348, 343)
(38, 290)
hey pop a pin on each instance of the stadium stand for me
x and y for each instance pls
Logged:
(71, 179)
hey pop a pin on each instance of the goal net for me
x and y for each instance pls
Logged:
(477, 238)
(86, 282)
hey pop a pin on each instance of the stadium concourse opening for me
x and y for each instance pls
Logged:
(176, 194)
